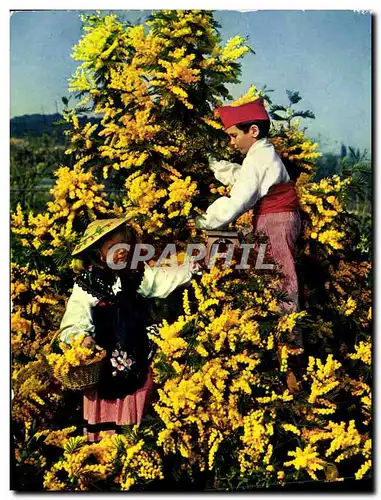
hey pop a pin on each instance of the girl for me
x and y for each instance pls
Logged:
(110, 307)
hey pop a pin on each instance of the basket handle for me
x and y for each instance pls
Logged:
(54, 337)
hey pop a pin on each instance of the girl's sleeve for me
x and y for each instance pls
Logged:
(225, 171)
(159, 282)
(78, 315)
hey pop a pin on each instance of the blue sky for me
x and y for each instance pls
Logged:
(325, 55)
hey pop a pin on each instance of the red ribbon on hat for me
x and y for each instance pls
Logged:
(250, 112)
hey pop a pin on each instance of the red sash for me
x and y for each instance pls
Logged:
(280, 198)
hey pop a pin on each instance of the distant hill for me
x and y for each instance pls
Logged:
(37, 125)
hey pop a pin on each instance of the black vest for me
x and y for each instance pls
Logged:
(120, 323)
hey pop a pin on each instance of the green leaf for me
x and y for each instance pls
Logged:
(277, 107)
(293, 97)
(304, 114)
(273, 112)
(128, 430)
(61, 256)
(331, 472)
(74, 444)
(274, 116)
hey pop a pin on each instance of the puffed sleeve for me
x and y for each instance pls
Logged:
(78, 315)
(159, 282)
(224, 171)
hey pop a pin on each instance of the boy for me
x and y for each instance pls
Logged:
(262, 183)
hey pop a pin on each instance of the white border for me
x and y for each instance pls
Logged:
(4, 185)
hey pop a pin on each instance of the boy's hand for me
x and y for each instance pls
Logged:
(198, 267)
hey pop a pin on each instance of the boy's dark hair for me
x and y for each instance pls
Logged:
(263, 126)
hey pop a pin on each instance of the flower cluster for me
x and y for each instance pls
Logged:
(202, 399)
(125, 458)
(180, 192)
(323, 377)
(293, 145)
(75, 192)
(321, 201)
(75, 354)
(251, 95)
(363, 352)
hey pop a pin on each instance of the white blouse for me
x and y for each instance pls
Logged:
(157, 282)
(261, 169)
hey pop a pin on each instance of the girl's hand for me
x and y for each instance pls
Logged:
(88, 342)
(191, 224)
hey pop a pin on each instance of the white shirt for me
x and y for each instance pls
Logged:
(261, 169)
(156, 282)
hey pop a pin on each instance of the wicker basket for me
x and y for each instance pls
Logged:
(81, 377)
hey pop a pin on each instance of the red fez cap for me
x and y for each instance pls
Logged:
(233, 115)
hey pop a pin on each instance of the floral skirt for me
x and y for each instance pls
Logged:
(109, 415)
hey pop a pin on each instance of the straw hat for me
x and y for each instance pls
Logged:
(96, 230)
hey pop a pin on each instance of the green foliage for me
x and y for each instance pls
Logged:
(326, 166)
(32, 165)
(288, 113)
(357, 165)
